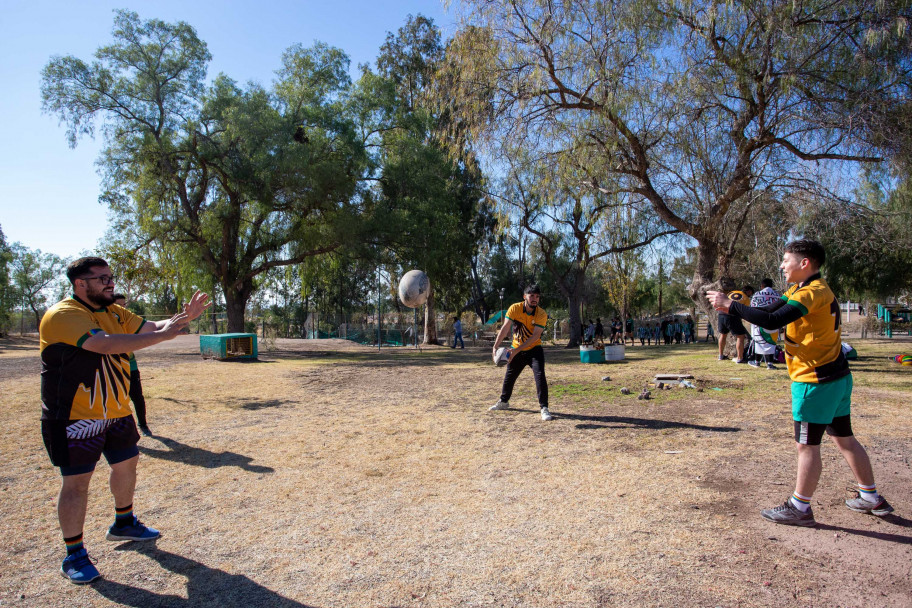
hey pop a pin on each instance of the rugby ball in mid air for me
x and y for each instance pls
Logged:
(501, 356)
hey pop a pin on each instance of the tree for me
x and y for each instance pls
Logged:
(35, 276)
(430, 209)
(247, 178)
(575, 223)
(696, 107)
(868, 243)
(7, 291)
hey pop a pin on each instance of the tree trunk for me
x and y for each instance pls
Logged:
(480, 305)
(705, 280)
(430, 319)
(573, 304)
(236, 305)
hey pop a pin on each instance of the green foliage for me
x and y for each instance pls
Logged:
(37, 278)
(868, 244)
(7, 291)
(428, 210)
(697, 109)
(238, 180)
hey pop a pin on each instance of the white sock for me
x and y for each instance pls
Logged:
(869, 493)
(802, 503)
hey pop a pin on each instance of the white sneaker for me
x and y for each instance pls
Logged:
(500, 405)
(546, 415)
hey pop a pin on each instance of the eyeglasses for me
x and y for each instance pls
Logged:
(106, 279)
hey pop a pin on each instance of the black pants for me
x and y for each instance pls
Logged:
(136, 396)
(534, 358)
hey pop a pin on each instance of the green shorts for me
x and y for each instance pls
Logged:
(820, 403)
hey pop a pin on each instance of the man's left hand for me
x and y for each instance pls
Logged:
(197, 304)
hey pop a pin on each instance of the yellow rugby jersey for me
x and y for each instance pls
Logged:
(524, 324)
(77, 384)
(813, 343)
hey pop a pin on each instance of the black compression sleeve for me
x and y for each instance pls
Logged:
(774, 316)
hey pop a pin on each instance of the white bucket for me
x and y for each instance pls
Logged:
(614, 352)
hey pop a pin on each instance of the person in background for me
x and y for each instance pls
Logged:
(457, 332)
(136, 392)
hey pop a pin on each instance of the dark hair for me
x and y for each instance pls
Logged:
(806, 248)
(532, 288)
(747, 288)
(766, 283)
(78, 269)
(119, 296)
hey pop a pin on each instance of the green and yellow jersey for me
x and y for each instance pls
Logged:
(813, 343)
(524, 324)
(78, 384)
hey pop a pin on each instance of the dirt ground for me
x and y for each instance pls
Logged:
(328, 474)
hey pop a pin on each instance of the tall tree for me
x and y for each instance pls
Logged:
(7, 291)
(693, 106)
(431, 211)
(575, 223)
(237, 174)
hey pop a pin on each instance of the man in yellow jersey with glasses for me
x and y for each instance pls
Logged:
(527, 322)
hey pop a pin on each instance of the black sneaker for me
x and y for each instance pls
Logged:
(771, 366)
(144, 429)
(787, 514)
(135, 531)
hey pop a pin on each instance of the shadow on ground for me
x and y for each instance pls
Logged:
(615, 422)
(205, 586)
(186, 454)
(885, 536)
(622, 422)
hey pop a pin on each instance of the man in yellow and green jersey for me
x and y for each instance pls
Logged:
(821, 381)
(85, 402)
(527, 322)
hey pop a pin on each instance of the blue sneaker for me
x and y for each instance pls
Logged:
(135, 531)
(79, 568)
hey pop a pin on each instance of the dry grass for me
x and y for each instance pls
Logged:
(331, 475)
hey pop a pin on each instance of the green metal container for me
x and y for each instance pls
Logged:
(229, 346)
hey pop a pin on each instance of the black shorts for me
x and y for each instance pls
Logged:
(76, 445)
(811, 433)
(732, 325)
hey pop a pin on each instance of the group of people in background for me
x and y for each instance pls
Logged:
(671, 330)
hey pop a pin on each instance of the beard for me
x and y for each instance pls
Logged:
(100, 296)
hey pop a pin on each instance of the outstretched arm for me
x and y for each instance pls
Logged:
(776, 315)
(113, 344)
(192, 310)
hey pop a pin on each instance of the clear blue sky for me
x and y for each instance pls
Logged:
(49, 192)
